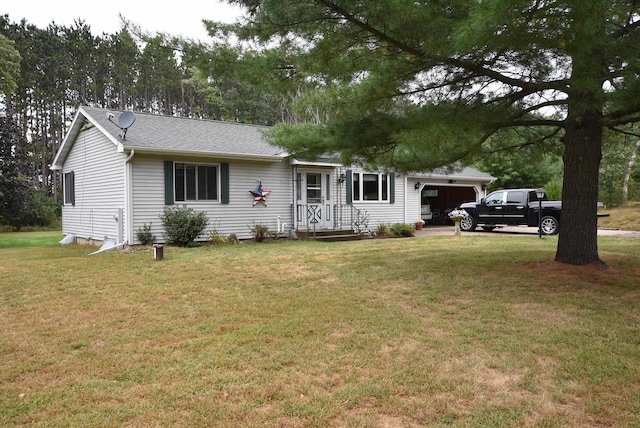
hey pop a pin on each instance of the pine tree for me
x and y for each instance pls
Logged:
(413, 85)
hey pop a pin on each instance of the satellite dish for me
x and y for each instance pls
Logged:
(125, 120)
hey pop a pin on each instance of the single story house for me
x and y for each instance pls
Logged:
(120, 171)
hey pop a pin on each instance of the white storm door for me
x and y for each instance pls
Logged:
(317, 191)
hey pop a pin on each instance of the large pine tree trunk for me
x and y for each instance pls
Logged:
(578, 240)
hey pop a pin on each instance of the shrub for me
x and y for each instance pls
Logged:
(144, 234)
(183, 225)
(383, 231)
(402, 229)
(216, 238)
(260, 232)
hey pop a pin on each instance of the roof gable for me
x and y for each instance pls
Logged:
(158, 134)
(79, 121)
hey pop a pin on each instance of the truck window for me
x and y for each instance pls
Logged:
(515, 198)
(494, 198)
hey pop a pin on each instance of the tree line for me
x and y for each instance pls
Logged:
(64, 67)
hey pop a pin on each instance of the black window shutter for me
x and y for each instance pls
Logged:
(392, 188)
(349, 186)
(168, 183)
(224, 183)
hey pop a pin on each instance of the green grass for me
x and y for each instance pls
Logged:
(30, 239)
(437, 331)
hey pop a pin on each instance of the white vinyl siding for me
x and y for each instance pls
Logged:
(235, 217)
(98, 175)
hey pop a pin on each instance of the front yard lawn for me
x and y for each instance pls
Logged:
(436, 331)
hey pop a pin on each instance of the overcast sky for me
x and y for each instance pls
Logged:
(176, 17)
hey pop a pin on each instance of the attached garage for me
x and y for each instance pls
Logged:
(438, 193)
(443, 199)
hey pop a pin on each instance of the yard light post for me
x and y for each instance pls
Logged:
(540, 195)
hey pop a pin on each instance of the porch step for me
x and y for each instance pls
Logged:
(325, 235)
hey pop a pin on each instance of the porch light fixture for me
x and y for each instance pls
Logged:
(342, 178)
(540, 195)
(418, 185)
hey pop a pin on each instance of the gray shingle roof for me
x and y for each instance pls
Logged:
(167, 134)
(459, 173)
(156, 133)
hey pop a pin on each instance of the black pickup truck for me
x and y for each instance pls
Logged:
(512, 207)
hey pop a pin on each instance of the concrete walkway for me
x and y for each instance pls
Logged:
(513, 230)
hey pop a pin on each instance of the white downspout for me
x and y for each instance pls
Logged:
(294, 197)
(128, 197)
(406, 200)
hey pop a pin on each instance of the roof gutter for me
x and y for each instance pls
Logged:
(183, 153)
(454, 176)
(133, 152)
(312, 163)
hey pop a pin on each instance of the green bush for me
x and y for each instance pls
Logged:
(260, 232)
(553, 189)
(183, 225)
(383, 231)
(402, 229)
(144, 234)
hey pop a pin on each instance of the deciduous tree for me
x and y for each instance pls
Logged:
(9, 66)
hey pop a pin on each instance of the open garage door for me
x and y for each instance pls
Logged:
(443, 199)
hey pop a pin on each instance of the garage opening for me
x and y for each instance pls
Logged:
(441, 200)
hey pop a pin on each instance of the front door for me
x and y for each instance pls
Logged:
(316, 207)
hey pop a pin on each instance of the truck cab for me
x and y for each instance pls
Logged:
(509, 207)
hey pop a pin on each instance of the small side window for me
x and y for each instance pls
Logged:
(69, 188)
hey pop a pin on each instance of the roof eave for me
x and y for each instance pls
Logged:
(312, 163)
(450, 176)
(462, 177)
(220, 155)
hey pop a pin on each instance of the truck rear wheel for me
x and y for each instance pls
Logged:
(468, 223)
(549, 225)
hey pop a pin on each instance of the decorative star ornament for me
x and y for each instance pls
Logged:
(260, 195)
